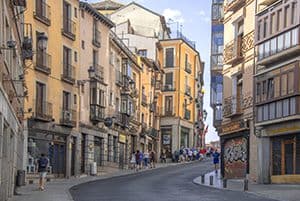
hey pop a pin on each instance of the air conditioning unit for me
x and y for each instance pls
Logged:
(67, 116)
(19, 3)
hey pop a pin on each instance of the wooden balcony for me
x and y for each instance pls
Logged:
(42, 12)
(188, 68)
(99, 72)
(43, 62)
(187, 114)
(233, 106)
(169, 87)
(68, 117)
(97, 113)
(42, 110)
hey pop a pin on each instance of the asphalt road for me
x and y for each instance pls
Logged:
(167, 184)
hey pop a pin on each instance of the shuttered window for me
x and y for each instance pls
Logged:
(169, 78)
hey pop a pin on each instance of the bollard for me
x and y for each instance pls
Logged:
(224, 183)
(211, 180)
(202, 179)
(245, 184)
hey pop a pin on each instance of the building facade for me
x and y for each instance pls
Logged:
(11, 96)
(238, 142)
(180, 62)
(276, 90)
(99, 143)
(216, 62)
(51, 123)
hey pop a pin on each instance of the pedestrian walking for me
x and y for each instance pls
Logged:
(43, 163)
(146, 158)
(163, 157)
(152, 159)
(133, 161)
(137, 160)
(216, 156)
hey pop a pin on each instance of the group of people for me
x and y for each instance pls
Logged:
(186, 154)
(141, 160)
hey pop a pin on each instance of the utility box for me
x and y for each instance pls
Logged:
(93, 168)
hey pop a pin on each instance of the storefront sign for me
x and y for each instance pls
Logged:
(285, 129)
(233, 127)
(122, 138)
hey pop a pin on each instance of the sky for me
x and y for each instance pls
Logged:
(194, 16)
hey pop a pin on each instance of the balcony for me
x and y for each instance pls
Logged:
(188, 68)
(121, 119)
(43, 62)
(43, 110)
(144, 100)
(96, 38)
(134, 93)
(99, 72)
(152, 107)
(97, 113)
(157, 85)
(283, 46)
(233, 106)
(187, 114)
(42, 12)
(168, 112)
(68, 73)
(152, 132)
(233, 51)
(168, 87)
(188, 91)
(234, 5)
(69, 29)
(119, 79)
(68, 117)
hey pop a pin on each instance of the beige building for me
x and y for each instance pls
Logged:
(238, 142)
(99, 143)
(11, 96)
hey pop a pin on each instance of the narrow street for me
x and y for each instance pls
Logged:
(166, 184)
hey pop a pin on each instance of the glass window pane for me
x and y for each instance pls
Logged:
(278, 109)
(267, 48)
(287, 40)
(261, 51)
(259, 113)
(266, 112)
(272, 110)
(285, 107)
(280, 43)
(273, 46)
(295, 36)
(293, 106)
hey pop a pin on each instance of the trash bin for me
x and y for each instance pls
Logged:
(20, 180)
(93, 168)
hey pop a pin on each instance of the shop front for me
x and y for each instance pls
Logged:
(166, 141)
(122, 150)
(234, 151)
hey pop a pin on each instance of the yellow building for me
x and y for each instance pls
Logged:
(52, 106)
(150, 114)
(180, 61)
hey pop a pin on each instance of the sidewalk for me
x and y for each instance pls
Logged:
(283, 192)
(58, 190)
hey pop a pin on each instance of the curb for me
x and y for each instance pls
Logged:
(232, 190)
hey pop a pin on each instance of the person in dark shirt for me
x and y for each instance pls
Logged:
(216, 156)
(43, 162)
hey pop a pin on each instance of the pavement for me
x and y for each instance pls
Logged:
(58, 189)
(271, 191)
(173, 183)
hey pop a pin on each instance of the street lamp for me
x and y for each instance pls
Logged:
(42, 41)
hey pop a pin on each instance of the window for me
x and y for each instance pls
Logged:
(115, 149)
(266, 112)
(291, 82)
(82, 44)
(75, 12)
(277, 86)
(169, 79)
(40, 98)
(278, 109)
(272, 110)
(75, 56)
(75, 99)
(283, 84)
(67, 62)
(286, 17)
(168, 104)
(258, 92)
(270, 89)
(286, 105)
(109, 145)
(287, 40)
(264, 92)
(169, 57)
(279, 20)
(265, 27)
(142, 53)
(66, 101)
(67, 15)
(95, 58)
(111, 58)
(117, 104)
(111, 98)
(294, 16)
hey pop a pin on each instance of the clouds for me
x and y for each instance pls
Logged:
(174, 15)
(203, 16)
